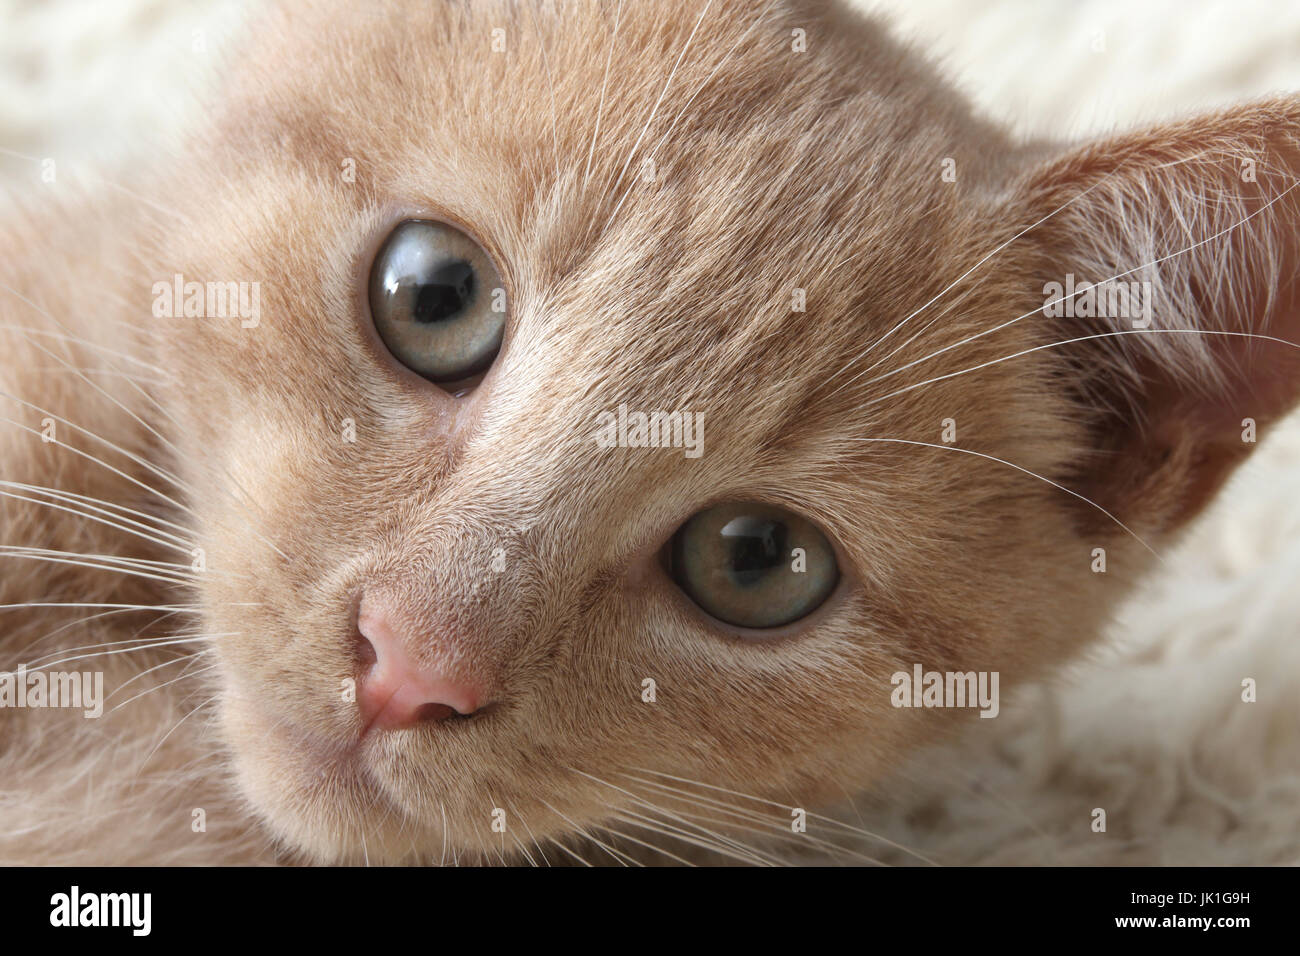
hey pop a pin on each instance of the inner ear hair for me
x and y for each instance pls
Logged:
(1176, 246)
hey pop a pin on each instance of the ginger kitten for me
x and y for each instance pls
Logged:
(343, 444)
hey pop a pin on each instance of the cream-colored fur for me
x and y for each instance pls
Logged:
(773, 170)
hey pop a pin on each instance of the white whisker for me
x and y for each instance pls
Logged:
(1063, 298)
(600, 109)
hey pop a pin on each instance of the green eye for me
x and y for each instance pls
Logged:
(437, 301)
(753, 565)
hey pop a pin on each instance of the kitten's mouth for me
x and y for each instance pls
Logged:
(330, 753)
(350, 755)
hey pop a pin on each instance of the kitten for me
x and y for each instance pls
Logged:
(343, 443)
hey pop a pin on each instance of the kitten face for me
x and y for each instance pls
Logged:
(504, 544)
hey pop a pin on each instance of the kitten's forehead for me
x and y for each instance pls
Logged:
(704, 185)
(705, 207)
(605, 138)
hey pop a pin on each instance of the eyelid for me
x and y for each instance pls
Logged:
(398, 212)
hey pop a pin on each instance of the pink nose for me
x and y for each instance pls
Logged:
(397, 691)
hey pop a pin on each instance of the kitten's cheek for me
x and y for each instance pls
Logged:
(304, 792)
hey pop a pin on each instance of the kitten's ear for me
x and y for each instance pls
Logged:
(1200, 222)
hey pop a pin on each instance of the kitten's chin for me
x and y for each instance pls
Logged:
(318, 800)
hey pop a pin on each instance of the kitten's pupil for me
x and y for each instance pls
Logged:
(757, 546)
(445, 293)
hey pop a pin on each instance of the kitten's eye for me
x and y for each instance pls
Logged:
(753, 565)
(437, 301)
